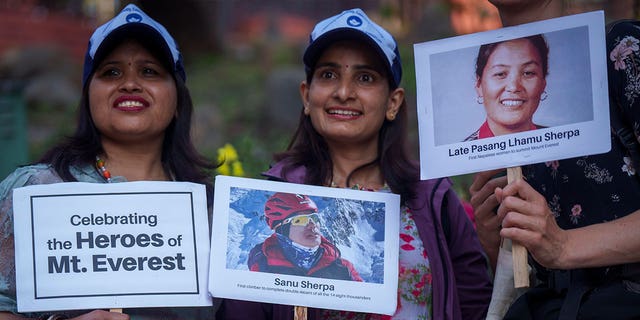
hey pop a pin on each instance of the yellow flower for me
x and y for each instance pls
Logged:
(231, 165)
(236, 169)
(227, 153)
(223, 169)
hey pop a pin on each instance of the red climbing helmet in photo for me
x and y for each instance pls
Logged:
(283, 205)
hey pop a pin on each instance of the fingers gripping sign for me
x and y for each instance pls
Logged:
(485, 204)
(520, 267)
(529, 221)
(103, 315)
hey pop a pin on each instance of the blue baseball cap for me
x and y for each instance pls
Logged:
(354, 25)
(132, 22)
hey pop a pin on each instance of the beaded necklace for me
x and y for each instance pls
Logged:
(102, 169)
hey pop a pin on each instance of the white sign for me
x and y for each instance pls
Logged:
(570, 105)
(87, 245)
(249, 261)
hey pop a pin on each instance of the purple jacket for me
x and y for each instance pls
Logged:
(460, 278)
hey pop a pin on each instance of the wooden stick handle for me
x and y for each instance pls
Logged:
(520, 266)
(299, 313)
(117, 310)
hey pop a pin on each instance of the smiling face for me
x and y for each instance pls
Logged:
(132, 97)
(511, 84)
(348, 97)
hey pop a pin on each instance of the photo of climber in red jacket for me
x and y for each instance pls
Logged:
(297, 246)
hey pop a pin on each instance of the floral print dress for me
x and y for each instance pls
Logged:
(599, 188)
(414, 279)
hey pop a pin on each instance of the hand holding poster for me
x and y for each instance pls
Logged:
(86, 245)
(347, 242)
(535, 107)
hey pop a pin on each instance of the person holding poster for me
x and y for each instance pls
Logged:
(577, 217)
(297, 247)
(352, 134)
(133, 124)
(510, 83)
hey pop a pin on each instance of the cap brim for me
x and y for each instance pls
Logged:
(146, 35)
(317, 47)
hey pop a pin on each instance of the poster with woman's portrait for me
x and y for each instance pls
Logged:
(304, 245)
(513, 96)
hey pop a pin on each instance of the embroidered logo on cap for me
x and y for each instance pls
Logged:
(354, 21)
(134, 17)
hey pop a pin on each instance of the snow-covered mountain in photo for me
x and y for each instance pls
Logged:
(356, 227)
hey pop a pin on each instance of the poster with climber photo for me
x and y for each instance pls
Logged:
(513, 96)
(303, 245)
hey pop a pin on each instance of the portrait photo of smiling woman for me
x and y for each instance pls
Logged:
(511, 86)
(510, 83)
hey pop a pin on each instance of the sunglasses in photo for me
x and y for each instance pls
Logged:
(302, 220)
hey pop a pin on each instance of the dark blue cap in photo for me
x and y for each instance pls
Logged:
(349, 25)
(131, 22)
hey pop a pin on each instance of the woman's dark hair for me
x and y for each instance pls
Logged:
(309, 149)
(179, 155)
(538, 41)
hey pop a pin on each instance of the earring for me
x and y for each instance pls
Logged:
(544, 95)
(392, 117)
(480, 99)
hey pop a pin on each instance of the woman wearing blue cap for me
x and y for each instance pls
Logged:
(133, 124)
(352, 134)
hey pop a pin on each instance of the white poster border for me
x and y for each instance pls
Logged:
(544, 144)
(301, 290)
(96, 285)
